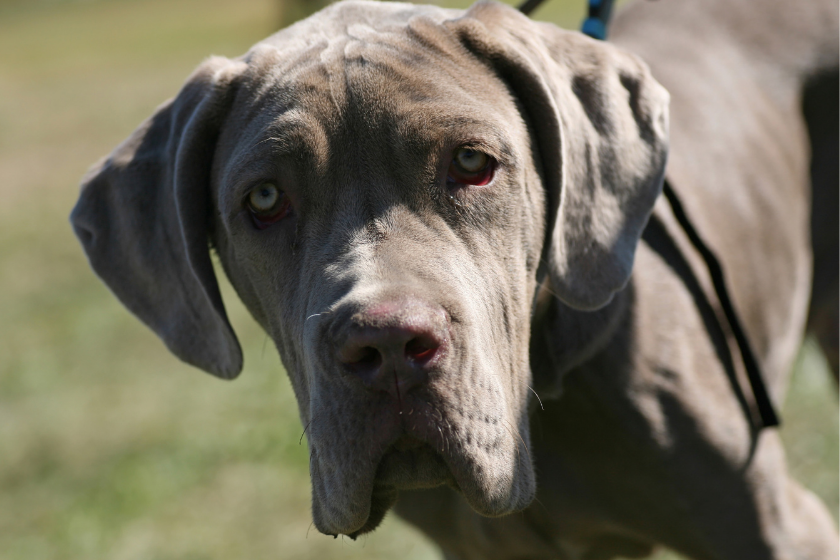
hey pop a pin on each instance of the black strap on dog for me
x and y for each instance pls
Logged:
(766, 410)
(595, 25)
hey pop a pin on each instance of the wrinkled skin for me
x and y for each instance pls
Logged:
(417, 315)
(360, 138)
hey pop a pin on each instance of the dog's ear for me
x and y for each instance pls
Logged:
(601, 123)
(142, 218)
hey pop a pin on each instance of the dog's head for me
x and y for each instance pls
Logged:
(385, 184)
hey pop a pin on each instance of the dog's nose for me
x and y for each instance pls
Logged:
(392, 346)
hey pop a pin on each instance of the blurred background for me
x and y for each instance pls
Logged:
(109, 447)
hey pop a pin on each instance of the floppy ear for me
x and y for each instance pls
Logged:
(142, 218)
(601, 123)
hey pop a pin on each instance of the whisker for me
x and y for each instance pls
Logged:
(516, 449)
(300, 441)
(536, 395)
(544, 285)
(316, 315)
(269, 139)
(551, 292)
(448, 427)
(542, 505)
(525, 445)
(315, 474)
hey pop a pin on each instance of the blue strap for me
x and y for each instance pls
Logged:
(595, 28)
(595, 25)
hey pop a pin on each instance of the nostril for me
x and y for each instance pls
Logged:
(392, 346)
(368, 357)
(364, 358)
(420, 351)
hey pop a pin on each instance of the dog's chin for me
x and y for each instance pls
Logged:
(495, 489)
(409, 464)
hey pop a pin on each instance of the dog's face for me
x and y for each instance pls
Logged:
(384, 184)
(395, 265)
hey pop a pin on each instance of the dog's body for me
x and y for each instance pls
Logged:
(652, 420)
(419, 305)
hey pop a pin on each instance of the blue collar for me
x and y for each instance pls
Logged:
(595, 24)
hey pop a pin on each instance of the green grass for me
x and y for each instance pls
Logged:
(109, 447)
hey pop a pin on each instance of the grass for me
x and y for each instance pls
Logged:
(109, 447)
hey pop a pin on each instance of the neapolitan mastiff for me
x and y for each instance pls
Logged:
(438, 215)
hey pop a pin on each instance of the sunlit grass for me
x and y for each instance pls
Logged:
(109, 447)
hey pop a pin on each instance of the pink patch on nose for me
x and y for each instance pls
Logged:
(393, 346)
(384, 309)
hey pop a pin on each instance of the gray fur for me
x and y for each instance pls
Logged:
(530, 282)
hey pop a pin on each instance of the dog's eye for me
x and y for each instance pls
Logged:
(267, 205)
(470, 167)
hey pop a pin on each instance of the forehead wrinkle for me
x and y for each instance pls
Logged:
(303, 77)
(331, 67)
(273, 72)
(399, 103)
(354, 93)
(293, 136)
(297, 134)
(483, 136)
(384, 70)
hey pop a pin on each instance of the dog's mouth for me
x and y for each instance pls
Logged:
(426, 444)
(408, 464)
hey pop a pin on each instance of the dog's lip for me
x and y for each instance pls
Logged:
(409, 463)
(418, 448)
(407, 443)
(425, 428)
(406, 463)
(466, 473)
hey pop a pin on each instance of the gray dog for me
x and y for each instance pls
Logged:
(435, 215)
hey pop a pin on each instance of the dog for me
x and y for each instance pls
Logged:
(450, 224)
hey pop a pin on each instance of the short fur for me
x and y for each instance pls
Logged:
(529, 283)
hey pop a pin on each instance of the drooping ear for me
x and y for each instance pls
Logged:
(601, 123)
(142, 218)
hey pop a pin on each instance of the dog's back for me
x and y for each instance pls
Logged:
(740, 74)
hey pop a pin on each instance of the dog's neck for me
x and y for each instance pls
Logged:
(563, 338)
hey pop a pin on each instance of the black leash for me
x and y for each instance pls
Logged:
(595, 25)
(766, 410)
